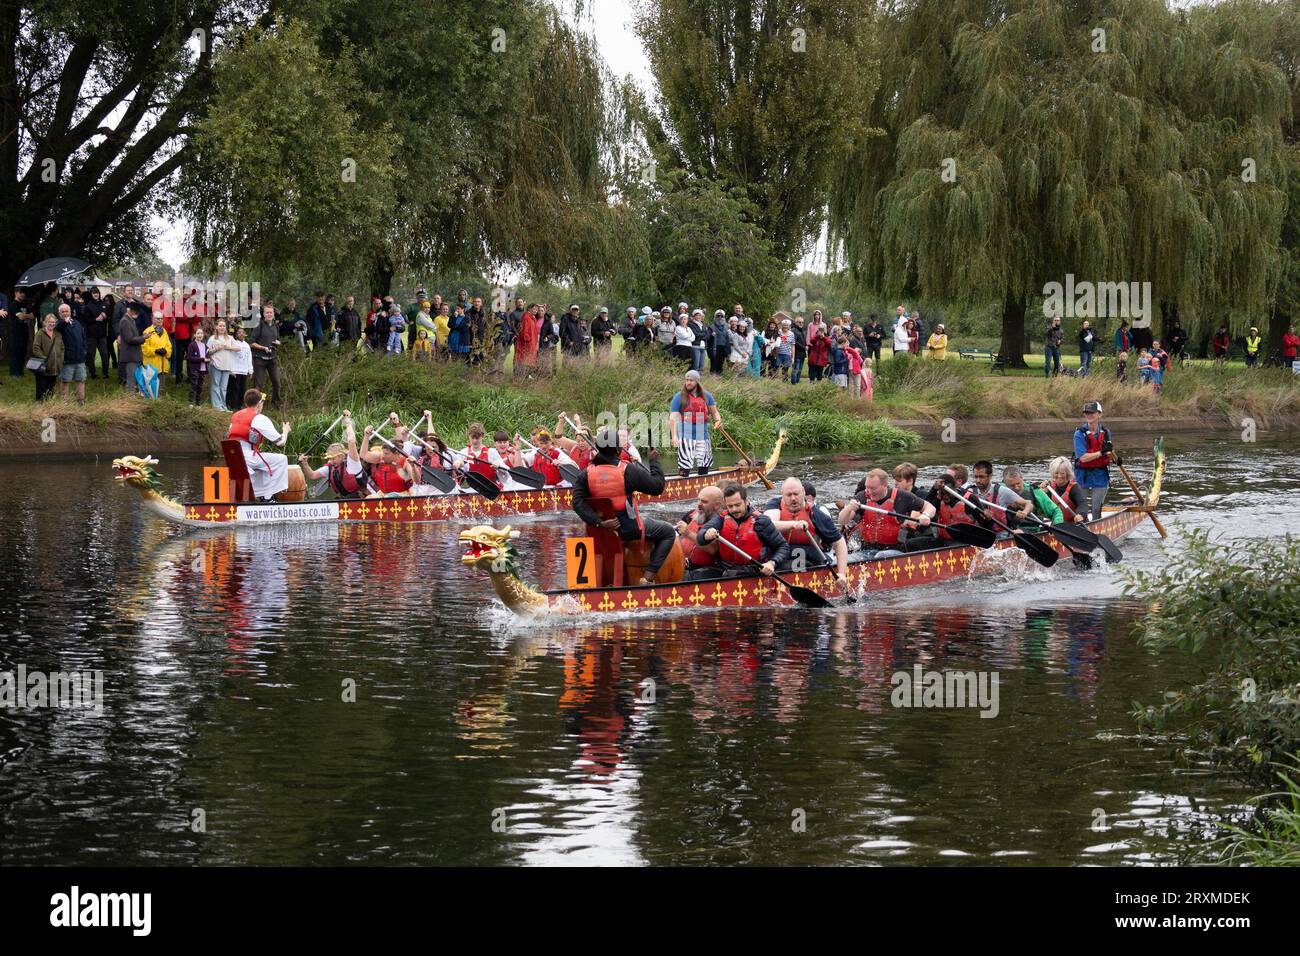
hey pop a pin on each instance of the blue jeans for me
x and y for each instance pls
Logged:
(1085, 362)
(697, 359)
(1051, 360)
(796, 371)
(217, 388)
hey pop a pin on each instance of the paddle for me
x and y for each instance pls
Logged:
(1068, 534)
(1082, 532)
(323, 435)
(439, 479)
(569, 473)
(732, 442)
(805, 596)
(1142, 501)
(318, 488)
(971, 534)
(1040, 551)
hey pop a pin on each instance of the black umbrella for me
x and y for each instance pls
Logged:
(58, 269)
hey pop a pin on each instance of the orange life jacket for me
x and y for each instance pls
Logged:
(743, 535)
(605, 483)
(1067, 512)
(544, 462)
(952, 513)
(479, 463)
(388, 478)
(694, 552)
(241, 424)
(881, 531)
(796, 536)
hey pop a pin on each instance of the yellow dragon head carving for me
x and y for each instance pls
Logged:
(489, 548)
(137, 472)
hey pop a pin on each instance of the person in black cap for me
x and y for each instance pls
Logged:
(1093, 453)
(608, 484)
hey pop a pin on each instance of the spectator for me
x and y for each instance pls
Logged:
(1253, 343)
(1052, 339)
(373, 321)
(742, 344)
(547, 340)
(46, 360)
(221, 352)
(196, 357)
(937, 346)
(719, 342)
(854, 355)
(840, 361)
(460, 339)
(758, 349)
(396, 328)
(800, 349)
(1121, 367)
(701, 343)
(527, 341)
(319, 321)
(1177, 339)
(74, 354)
(1290, 342)
(874, 336)
(684, 340)
(476, 324)
(264, 345)
(241, 367)
(130, 355)
(182, 328)
(1123, 337)
(913, 336)
(666, 331)
(349, 321)
(602, 335)
(772, 336)
(1087, 342)
(1221, 343)
(819, 352)
(95, 320)
(783, 357)
(902, 339)
(157, 349)
(442, 326)
(18, 319)
(571, 333)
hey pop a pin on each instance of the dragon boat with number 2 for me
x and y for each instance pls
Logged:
(139, 473)
(492, 550)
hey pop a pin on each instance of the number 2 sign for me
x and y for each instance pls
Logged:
(580, 562)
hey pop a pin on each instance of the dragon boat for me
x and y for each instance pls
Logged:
(492, 550)
(140, 474)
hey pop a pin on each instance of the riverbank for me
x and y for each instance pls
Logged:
(914, 399)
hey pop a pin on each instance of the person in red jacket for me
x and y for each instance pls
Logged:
(526, 340)
(1290, 342)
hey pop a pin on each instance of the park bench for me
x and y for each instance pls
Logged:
(973, 354)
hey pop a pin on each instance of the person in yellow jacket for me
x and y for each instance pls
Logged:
(938, 343)
(157, 346)
(1253, 342)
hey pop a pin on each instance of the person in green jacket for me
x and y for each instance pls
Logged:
(1044, 506)
(47, 347)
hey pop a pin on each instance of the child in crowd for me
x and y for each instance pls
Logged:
(423, 348)
(1158, 360)
(1144, 367)
(1121, 367)
(868, 379)
(855, 369)
(196, 358)
(396, 327)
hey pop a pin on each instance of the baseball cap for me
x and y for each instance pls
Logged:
(1092, 407)
(646, 310)
(602, 310)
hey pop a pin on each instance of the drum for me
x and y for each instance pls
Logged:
(637, 553)
(297, 490)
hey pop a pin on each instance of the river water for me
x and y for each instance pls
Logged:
(763, 736)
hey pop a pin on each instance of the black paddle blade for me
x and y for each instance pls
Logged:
(484, 486)
(438, 478)
(570, 473)
(1110, 549)
(1036, 548)
(1074, 536)
(526, 476)
(805, 596)
(973, 534)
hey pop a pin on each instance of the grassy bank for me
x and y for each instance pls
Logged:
(816, 415)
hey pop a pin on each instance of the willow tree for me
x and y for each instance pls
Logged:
(767, 95)
(1025, 141)
(371, 140)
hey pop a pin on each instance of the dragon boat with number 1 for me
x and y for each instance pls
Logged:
(492, 550)
(139, 473)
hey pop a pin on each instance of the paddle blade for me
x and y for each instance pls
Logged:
(1036, 548)
(526, 476)
(438, 478)
(570, 473)
(806, 596)
(973, 534)
(1110, 549)
(482, 485)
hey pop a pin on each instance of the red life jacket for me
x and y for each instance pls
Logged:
(692, 551)
(545, 463)
(581, 454)
(952, 513)
(744, 536)
(796, 536)
(478, 463)
(695, 410)
(388, 478)
(344, 483)
(881, 531)
(1064, 494)
(623, 454)
(1094, 443)
(240, 424)
(605, 483)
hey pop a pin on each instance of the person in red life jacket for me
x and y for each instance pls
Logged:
(949, 510)
(544, 457)
(578, 448)
(268, 471)
(1221, 343)
(998, 493)
(880, 534)
(627, 451)
(479, 458)
(1093, 453)
(1073, 501)
(750, 531)
(394, 473)
(689, 415)
(701, 559)
(810, 531)
(343, 468)
(1290, 346)
(610, 484)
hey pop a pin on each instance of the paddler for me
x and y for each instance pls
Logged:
(343, 468)
(545, 457)
(1093, 453)
(393, 473)
(690, 412)
(268, 471)
(949, 509)
(880, 534)
(999, 494)
(750, 531)
(480, 458)
(1044, 506)
(1073, 501)
(577, 448)
(615, 482)
(701, 559)
(810, 531)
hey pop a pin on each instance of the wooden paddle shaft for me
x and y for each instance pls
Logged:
(1142, 498)
(762, 475)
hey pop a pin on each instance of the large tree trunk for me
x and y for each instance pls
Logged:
(381, 276)
(1013, 331)
(1278, 323)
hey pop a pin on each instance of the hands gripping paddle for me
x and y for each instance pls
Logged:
(439, 479)
(1081, 532)
(805, 596)
(971, 534)
(1040, 551)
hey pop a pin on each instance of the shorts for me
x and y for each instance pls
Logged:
(75, 372)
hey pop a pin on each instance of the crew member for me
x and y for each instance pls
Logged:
(343, 468)
(701, 559)
(1093, 453)
(1065, 491)
(690, 412)
(611, 484)
(481, 459)
(879, 533)
(810, 531)
(752, 532)
(1044, 507)
(394, 474)
(268, 471)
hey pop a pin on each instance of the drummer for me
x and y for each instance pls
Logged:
(268, 471)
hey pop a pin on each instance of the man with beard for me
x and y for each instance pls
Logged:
(689, 416)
